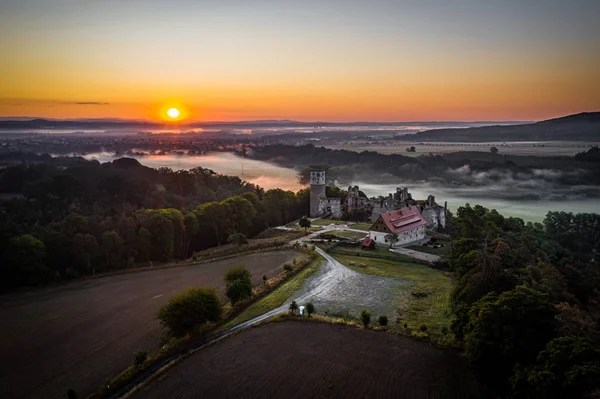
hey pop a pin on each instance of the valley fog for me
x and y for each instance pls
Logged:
(523, 199)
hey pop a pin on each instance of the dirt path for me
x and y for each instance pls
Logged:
(80, 334)
(309, 360)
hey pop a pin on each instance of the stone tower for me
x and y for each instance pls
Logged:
(317, 191)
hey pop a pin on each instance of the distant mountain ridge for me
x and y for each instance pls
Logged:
(20, 123)
(584, 126)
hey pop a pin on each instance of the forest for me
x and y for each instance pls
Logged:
(63, 218)
(527, 302)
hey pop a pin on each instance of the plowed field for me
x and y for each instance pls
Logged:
(313, 360)
(80, 334)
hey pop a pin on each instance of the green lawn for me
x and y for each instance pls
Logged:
(361, 226)
(348, 234)
(378, 250)
(325, 222)
(277, 297)
(443, 251)
(433, 310)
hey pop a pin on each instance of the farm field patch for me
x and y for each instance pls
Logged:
(78, 335)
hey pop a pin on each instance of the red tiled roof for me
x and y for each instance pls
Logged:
(403, 219)
(367, 242)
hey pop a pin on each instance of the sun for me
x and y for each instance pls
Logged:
(173, 113)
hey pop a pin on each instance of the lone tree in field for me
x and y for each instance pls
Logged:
(237, 239)
(304, 223)
(391, 238)
(310, 308)
(365, 317)
(190, 309)
(293, 307)
(238, 284)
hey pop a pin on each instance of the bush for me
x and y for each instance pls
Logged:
(139, 358)
(293, 307)
(406, 326)
(287, 267)
(423, 328)
(238, 284)
(365, 317)
(190, 309)
(310, 308)
(264, 278)
(444, 331)
(237, 239)
(383, 321)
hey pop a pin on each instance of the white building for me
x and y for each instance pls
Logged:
(407, 224)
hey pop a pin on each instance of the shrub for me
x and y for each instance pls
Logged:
(406, 326)
(264, 278)
(310, 308)
(365, 317)
(139, 358)
(444, 331)
(287, 267)
(238, 284)
(190, 309)
(383, 321)
(237, 239)
(423, 327)
(293, 307)
(419, 294)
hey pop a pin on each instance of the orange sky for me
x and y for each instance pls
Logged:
(423, 61)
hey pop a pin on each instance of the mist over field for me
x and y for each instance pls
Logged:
(526, 195)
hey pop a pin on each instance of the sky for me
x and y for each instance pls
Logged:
(327, 60)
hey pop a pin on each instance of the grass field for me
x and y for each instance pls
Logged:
(443, 251)
(433, 310)
(79, 334)
(361, 226)
(349, 234)
(277, 297)
(326, 222)
(378, 250)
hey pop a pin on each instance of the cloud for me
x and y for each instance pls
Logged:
(23, 102)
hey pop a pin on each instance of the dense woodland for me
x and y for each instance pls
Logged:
(527, 301)
(68, 218)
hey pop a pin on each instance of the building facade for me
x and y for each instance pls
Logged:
(320, 204)
(407, 224)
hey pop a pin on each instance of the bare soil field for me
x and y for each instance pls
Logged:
(291, 359)
(80, 334)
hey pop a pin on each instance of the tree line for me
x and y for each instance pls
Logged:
(527, 302)
(80, 217)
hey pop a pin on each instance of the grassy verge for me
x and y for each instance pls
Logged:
(433, 309)
(275, 298)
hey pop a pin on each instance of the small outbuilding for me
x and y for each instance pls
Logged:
(368, 243)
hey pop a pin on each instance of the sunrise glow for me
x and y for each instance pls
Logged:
(173, 113)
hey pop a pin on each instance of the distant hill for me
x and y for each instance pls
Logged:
(579, 127)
